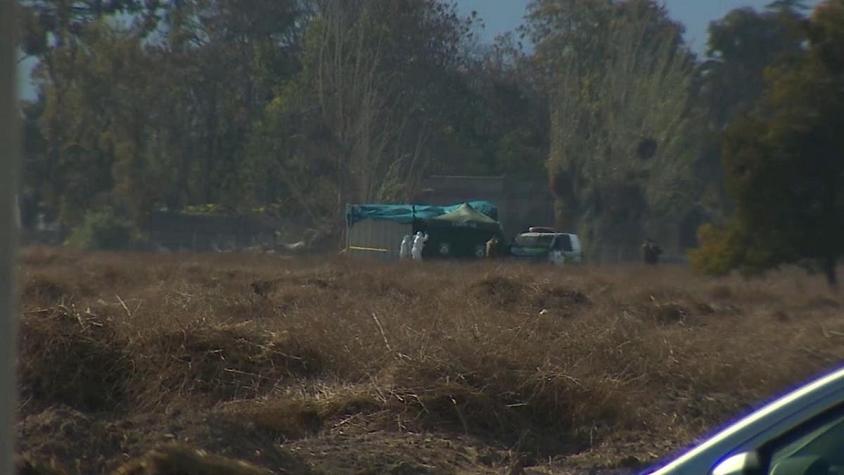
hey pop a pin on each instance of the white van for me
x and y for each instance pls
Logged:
(557, 248)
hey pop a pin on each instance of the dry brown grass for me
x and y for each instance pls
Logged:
(582, 365)
(179, 460)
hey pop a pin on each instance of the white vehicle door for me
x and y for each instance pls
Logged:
(556, 255)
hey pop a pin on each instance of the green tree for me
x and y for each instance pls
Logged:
(498, 122)
(218, 67)
(357, 124)
(54, 32)
(139, 120)
(740, 48)
(623, 138)
(784, 165)
(98, 124)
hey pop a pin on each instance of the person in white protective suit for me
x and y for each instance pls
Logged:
(404, 250)
(418, 244)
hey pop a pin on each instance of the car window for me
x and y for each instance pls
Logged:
(542, 240)
(814, 447)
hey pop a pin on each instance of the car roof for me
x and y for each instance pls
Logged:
(796, 406)
(546, 234)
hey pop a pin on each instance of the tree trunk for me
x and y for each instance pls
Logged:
(829, 269)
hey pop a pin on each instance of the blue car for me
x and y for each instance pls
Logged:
(799, 433)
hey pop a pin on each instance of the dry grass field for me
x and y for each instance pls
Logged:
(189, 364)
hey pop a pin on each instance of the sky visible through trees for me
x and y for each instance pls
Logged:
(501, 16)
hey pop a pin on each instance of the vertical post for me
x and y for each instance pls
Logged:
(347, 230)
(9, 162)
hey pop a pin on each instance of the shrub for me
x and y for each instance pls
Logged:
(717, 253)
(103, 230)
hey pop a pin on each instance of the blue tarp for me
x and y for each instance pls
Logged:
(407, 213)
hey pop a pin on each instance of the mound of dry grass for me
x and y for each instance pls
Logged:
(186, 461)
(574, 362)
(24, 465)
(72, 357)
(218, 363)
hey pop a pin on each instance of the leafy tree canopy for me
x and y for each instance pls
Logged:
(785, 165)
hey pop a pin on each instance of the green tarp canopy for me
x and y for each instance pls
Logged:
(462, 232)
(465, 216)
(408, 213)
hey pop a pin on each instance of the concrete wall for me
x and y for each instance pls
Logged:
(521, 203)
(179, 231)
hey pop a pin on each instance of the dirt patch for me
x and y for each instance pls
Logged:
(283, 419)
(671, 307)
(560, 298)
(670, 312)
(510, 293)
(263, 288)
(499, 290)
(44, 290)
(396, 291)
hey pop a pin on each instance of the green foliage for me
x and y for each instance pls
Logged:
(102, 229)
(784, 164)
(715, 255)
(618, 74)
(724, 249)
(299, 106)
(139, 122)
(361, 120)
(741, 46)
(500, 123)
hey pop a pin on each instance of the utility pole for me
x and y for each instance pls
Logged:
(9, 166)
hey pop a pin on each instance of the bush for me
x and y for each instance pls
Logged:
(103, 230)
(720, 250)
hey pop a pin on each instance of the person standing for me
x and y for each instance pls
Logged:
(651, 252)
(418, 245)
(492, 247)
(406, 243)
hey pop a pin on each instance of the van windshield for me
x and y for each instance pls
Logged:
(534, 240)
(563, 243)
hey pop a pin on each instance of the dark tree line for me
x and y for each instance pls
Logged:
(299, 105)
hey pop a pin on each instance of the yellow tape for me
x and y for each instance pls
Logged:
(357, 248)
